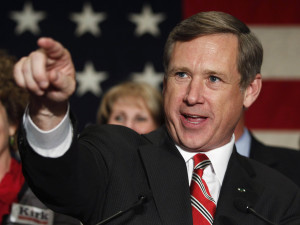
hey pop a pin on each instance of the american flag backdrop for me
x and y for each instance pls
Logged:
(118, 40)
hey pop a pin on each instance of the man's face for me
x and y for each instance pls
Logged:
(202, 97)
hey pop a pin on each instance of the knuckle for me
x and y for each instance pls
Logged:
(33, 87)
(37, 54)
(25, 69)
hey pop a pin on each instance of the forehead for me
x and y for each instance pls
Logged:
(129, 101)
(220, 47)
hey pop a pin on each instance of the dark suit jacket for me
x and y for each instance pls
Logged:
(285, 160)
(108, 167)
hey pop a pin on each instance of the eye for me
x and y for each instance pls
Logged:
(119, 118)
(141, 119)
(181, 75)
(214, 79)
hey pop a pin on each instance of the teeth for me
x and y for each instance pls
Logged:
(194, 119)
(190, 120)
(186, 116)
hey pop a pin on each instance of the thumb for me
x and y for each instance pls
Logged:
(62, 83)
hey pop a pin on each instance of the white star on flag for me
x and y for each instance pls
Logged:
(27, 19)
(90, 80)
(87, 21)
(147, 21)
(149, 75)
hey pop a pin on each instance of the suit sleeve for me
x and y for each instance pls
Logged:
(72, 183)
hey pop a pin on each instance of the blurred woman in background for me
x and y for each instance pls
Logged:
(134, 105)
(13, 101)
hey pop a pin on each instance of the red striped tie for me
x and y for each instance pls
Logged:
(203, 205)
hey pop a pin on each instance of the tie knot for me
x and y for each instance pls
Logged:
(201, 161)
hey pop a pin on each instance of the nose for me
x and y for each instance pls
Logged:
(129, 123)
(194, 93)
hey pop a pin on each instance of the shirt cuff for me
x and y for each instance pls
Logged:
(52, 143)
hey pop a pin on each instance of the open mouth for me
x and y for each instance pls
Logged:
(194, 119)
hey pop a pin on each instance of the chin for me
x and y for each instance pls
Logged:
(191, 146)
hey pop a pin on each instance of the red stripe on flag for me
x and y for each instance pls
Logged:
(277, 12)
(277, 107)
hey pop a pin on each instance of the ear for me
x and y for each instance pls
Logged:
(12, 129)
(252, 91)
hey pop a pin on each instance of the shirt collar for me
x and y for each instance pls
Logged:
(243, 143)
(219, 157)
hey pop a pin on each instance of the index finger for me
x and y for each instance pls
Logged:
(53, 49)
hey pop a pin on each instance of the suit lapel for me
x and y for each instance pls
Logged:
(238, 185)
(168, 179)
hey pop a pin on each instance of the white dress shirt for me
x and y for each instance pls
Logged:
(53, 143)
(62, 134)
(215, 172)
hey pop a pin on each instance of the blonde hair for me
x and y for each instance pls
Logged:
(151, 97)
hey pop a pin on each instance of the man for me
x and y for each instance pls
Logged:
(212, 64)
(284, 160)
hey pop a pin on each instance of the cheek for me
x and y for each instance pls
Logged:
(145, 128)
(3, 136)
(230, 109)
(3, 127)
(110, 120)
(173, 98)
(153, 125)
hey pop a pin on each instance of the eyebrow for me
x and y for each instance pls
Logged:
(206, 72)
(178, 69)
